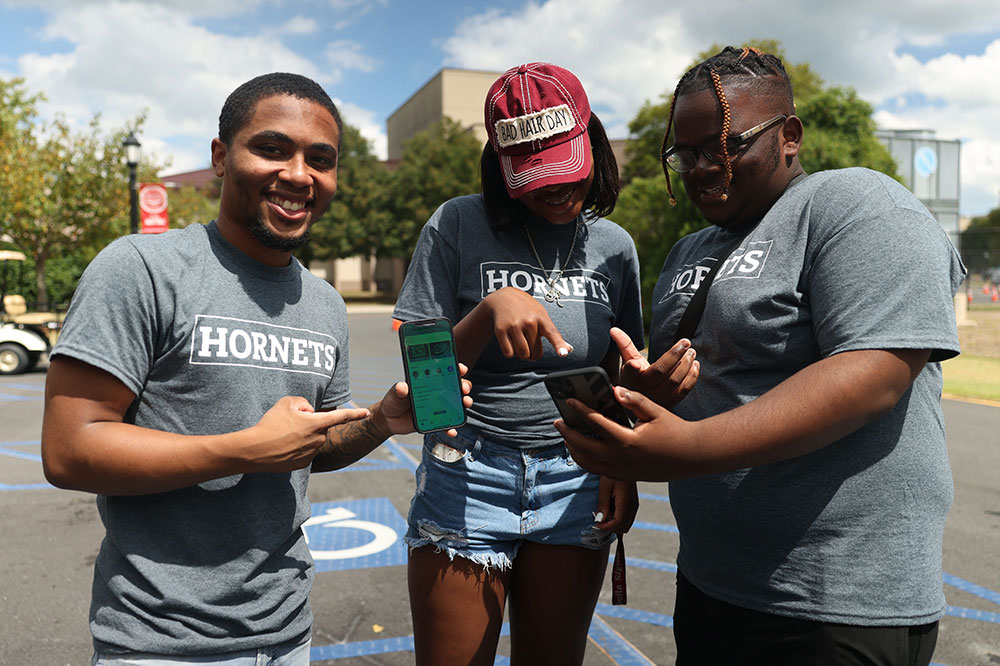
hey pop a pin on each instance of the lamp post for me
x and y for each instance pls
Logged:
(132, 152)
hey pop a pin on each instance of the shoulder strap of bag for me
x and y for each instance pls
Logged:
(696, 306)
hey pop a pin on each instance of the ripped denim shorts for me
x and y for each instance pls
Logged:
(480, 500)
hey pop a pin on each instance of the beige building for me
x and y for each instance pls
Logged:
(458, 94)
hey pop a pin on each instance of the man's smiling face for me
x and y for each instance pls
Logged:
(279, 175)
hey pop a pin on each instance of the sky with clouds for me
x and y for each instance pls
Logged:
(923, 64)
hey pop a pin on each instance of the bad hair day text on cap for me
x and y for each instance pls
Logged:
(539, 125)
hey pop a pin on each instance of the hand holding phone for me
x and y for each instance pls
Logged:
(592, 387)
(432, 373)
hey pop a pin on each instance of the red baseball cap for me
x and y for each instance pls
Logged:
(536, 116)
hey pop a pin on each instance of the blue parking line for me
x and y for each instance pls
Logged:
(972, 588)
(622, 652)
(13, 397)
(972, 614)
(400, 454)
(368, 466)
(40, 388)
(634, 614)
(361, 648)
(653, 565)
(659, 527)
(396, 449)
(33, 457)
(13, 453)
(615, 645)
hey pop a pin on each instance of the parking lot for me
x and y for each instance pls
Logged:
(49, 539)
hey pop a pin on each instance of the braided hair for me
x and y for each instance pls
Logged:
(751, 66)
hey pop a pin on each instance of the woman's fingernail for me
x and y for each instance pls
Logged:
(598, 517)
(562, 351)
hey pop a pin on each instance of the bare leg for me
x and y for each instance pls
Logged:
(553, 593)
(457, 609)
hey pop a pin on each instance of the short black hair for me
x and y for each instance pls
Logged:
(240, 104)
(763, 73)
(504, 212)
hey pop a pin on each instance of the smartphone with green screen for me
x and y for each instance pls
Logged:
(431, 368)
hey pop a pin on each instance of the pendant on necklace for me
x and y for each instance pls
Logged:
(552, 296)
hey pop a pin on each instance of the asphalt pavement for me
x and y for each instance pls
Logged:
(49, 539)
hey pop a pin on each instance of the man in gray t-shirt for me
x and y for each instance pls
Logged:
(195, 386)
(807, 466)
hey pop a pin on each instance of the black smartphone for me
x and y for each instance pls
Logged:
(590, 386)
(431, 367)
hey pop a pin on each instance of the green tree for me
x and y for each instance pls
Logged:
(647, 128)
(64, 192)
(188, 205)
(654, 226)
(357, 216)
(839, 131)
(438, 164)
(980, 243)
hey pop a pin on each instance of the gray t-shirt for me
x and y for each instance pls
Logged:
(208, 340)
(845, 260)
(459, 260)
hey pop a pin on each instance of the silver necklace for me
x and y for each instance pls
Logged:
(552, 294)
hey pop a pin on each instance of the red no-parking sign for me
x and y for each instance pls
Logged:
(153, 208)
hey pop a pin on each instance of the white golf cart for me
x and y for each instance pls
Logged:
(24, 335)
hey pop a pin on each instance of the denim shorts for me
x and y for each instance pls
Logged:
(282, 655)
(480, 500)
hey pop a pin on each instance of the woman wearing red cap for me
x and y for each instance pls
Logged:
(502, 511)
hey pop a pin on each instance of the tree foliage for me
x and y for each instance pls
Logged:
(647, 128)
(654, 226)
(839, 132)
(65, 192)
(357, 217)
(980, 243)
(188, 205)
(438, 164)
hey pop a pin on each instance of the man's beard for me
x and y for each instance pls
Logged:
(269, 239)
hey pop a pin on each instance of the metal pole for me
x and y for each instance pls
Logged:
(133, 199)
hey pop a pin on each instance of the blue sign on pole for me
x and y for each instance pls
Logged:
(925, 161)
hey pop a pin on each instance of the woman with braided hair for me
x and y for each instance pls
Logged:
(808, 471)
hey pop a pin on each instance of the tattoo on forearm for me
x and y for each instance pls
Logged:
(347, 443)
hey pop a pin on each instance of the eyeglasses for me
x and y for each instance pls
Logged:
(683, 160)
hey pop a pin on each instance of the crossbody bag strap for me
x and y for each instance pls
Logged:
(696, 306)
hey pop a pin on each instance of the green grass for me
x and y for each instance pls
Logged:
(972, 377)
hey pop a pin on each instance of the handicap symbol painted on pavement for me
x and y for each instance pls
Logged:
(355, 534)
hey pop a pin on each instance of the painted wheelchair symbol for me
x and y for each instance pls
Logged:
(339, 517)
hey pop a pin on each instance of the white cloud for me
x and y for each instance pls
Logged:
(343, 55)
(366, 122)
(299, 25)
(626, 52)
(203, 8)
(130, 57)
(621, 56)
(127, 57)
